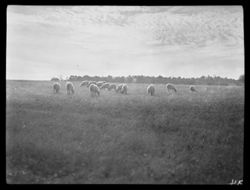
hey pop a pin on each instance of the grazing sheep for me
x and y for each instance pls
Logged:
(91, 82)
(84, 83)
(94, 90)
(100, 83)
(124, 89)
(118, 88)
(171, 87)
(105, 85)
(192, 88)
(112, 86)
(151, 89)
(56, 87)
(70, 88)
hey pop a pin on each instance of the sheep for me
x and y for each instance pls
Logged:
(84, 83)
(100, 83)
(91, 82)
(124, 89)
(151, 89)
(70, 88)
(105, 85)
(94, 90)
(171, 87)
(118, 88)
(56, 87)
(192, 88)
(112, 86)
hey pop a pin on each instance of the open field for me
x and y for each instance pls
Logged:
(184, 138)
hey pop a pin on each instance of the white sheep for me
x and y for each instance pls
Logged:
(118, 88)
(151, 89)
(56, 87)
(171, 87)
(100, 83)
(94, 90)
(124, 89)
(84, 83)
(70, 88)
(91, 82)
(192, 88)
(105, 85)
(112, 86)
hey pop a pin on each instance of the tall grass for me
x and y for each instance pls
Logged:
(168, 138)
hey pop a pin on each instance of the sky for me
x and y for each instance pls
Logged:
(172, 41)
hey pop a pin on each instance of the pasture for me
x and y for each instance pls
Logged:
(182, 138)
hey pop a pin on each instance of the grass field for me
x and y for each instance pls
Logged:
(183, 138)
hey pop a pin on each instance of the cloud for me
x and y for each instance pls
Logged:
(209, 24)
(189, 29)
(152, 40)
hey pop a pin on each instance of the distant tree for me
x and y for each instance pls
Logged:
(86, 77)
(55, 79)
(203, 80)
(160, 79)
(109, 78)
(129, 79)
(242, 78)
(79, 78)
(73, 78)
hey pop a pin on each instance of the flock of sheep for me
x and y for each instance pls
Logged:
(95, 87)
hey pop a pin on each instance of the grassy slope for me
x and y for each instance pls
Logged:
(134, 138)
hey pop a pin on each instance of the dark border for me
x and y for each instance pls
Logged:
(3, 11)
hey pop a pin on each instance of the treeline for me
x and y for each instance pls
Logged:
(203, 80)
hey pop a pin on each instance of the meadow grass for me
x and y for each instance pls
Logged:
(182, 138)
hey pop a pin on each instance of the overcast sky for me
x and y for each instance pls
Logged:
(188, 41)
